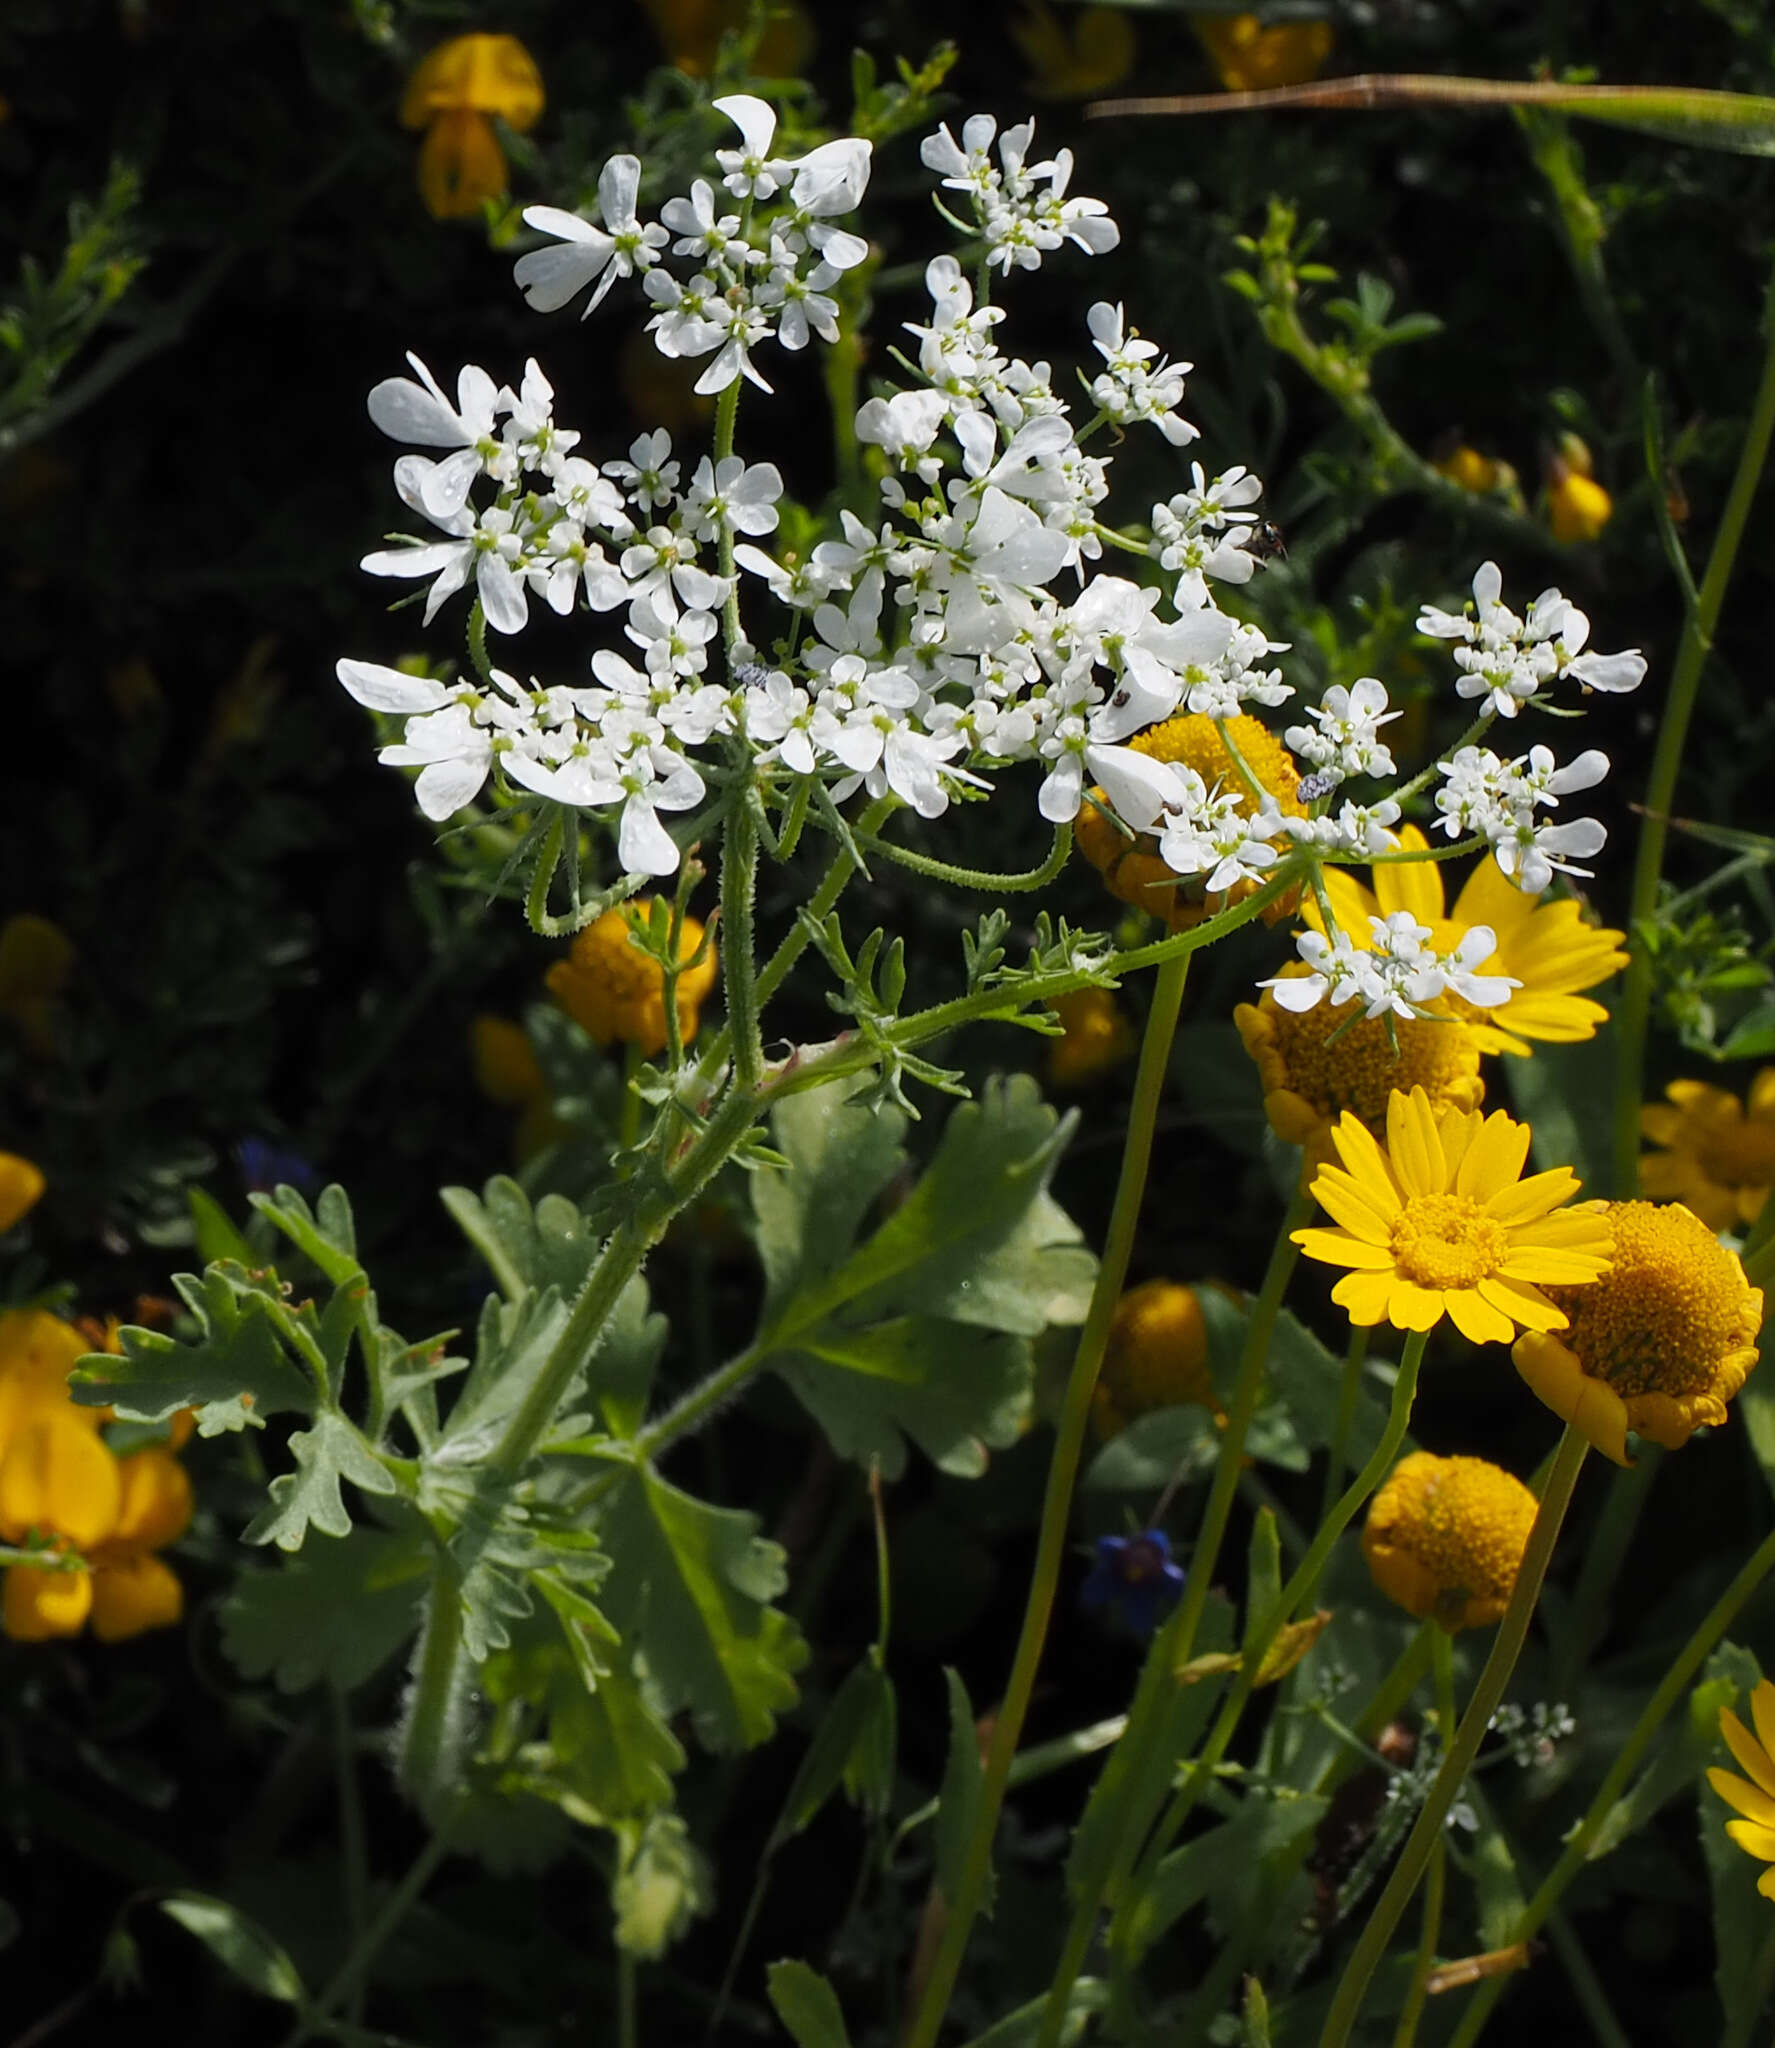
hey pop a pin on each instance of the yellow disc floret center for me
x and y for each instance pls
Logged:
(1673, 1304)
(1443, 1241)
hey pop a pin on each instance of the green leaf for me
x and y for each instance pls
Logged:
(958, 1799)
(339, 1612)
(1688, 1747)
(309, 1498)
(843, 1742)
(841, 1155)
(917, 1332)
(326, 1234)
(807, 2005)
(612, 1748)
(1305, 1380)
(620, 1377)
(241, 1945)
(549, 1245)
(216, 1235)
(235, 1374)
(1119, 1799)
(690, 1585)
(1221, 1867)
(1144, 1457)
(1740, 1912)
(1263, 1579)
(1565, 1093)
(1023, 2028)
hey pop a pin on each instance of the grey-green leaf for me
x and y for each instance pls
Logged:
(240, 1944)
(807, 2005)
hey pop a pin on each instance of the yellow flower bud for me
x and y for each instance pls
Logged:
(1578, 508)
(1468, 468)
(1445, 1536)
(615, 991)
(1156, 1356)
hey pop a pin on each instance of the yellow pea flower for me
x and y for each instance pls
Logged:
(58, 1479)
(1091, 51)
(1578, 508)
(1098, 1038)
(1247, 57)
(690, 33)
(36, 959)
(452, 95)
(21, 1189)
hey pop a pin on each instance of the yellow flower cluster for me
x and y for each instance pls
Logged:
(64, 1491)
(453, 96)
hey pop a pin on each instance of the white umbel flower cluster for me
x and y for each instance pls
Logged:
(962, 625)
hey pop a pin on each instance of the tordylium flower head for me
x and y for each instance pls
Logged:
(1156, 1357)
(962, 625)
(616, 991)
(1545, 949)
(1440, 1222)
(1445, 1536)
(1717, 1155)
(1752, 1797)
(1659, 1344)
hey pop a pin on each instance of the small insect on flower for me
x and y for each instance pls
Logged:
(1753, 1797)
(1134, 1582)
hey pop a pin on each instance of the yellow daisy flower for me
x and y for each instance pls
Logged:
(1156, 1357)
(1313, 1067)
(1546, 946)
(1131, 868)
(1659, 1345)
(1440, 1223)
(1098, 1038)
(1444, 1538)
(615, 991)
(1719, 1155)
(1754, 1797)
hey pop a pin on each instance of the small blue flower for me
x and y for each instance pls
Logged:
(1134, 1581)
(264, 1166)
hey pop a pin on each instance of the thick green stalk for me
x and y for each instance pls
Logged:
(1299, 1587)
(1632, 1017)
(1069, 1443)
(739, 881)
(1178, 1639)
(1672, 1689)
(1427, 1831)
(436, 1729)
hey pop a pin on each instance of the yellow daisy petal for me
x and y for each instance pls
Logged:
(1410, 1307)
(1413, 1145)
(1750, 1800)
(1494, 1161)
(1360, 1151)
(1524, 1302)
(1760, 1841)
(1476, 1319)
(1339, 1248)
(1762, 1714)
(1532, 1198)
(1352, 1203)
(1363, 1297)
